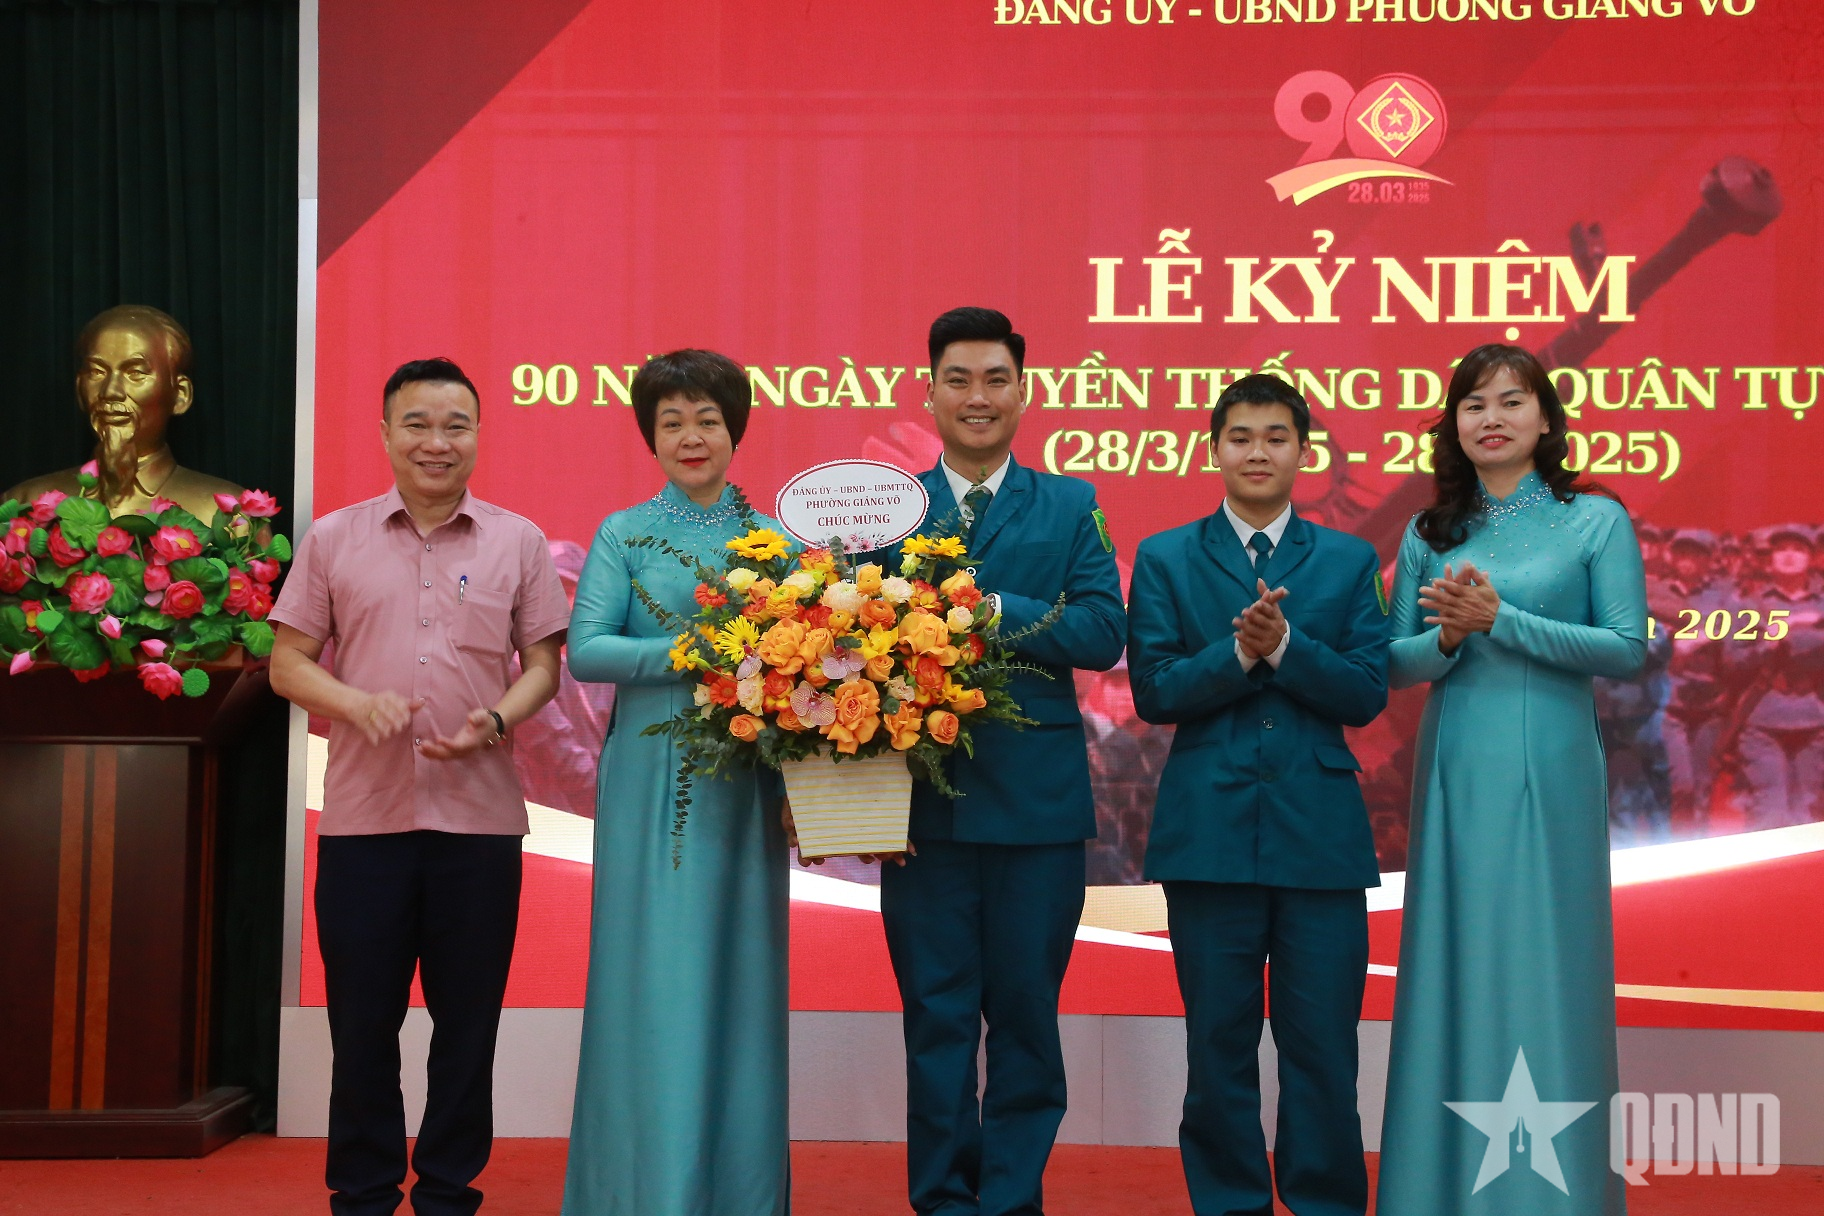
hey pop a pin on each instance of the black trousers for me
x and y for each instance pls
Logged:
(445, 905)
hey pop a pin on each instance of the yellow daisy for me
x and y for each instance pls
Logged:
(760, 545)
(949, 546)
(733, 639)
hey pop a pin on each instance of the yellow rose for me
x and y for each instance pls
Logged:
(741, 578)
(867, 579)
(959, 620)
(857, 715)
(967, 702)
(923, 633)
(799, 583)
(745, 727)
(779, 647)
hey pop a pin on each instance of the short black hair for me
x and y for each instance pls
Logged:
(1262, 389)
(427, 371)
(975, 325)
(695, 375)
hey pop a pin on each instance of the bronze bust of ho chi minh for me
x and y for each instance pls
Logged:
(131, 380)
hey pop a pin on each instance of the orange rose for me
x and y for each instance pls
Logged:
(857, 715)
(788, 720)
(942, 726)
(960, 590)
(867, 579)
(880, 668)
(779, 647)
(877, 612)
(745, 727)
(928, 672)
(816, 644)
(902, 726)
(923, 633)
(969, 701)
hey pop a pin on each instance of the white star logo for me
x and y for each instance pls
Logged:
(1520, 1123)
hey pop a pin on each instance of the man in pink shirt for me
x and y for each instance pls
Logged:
(427, 592)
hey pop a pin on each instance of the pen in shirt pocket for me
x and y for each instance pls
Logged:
(462, 588)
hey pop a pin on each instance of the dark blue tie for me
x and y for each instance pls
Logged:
(1262, 544)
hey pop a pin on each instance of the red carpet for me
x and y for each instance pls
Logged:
(271, 1177)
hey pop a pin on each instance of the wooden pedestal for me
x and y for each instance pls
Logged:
(107, 871)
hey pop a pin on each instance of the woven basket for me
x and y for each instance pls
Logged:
(858, 806)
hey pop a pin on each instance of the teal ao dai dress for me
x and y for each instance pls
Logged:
(1507, 943)
(681, 1088)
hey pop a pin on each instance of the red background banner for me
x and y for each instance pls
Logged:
(550, 192)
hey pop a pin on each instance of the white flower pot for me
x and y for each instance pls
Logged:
(857, 806)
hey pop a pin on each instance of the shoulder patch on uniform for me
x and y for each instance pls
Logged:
(1108, 542)
(1380, 591)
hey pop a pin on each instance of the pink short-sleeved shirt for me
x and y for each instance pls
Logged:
(436, 617)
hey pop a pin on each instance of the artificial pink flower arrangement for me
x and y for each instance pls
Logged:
(157, 592)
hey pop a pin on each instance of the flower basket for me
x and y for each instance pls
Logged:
(854, 677)
(856, 807)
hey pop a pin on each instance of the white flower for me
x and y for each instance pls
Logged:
(895, 590)
(842, 597)
(700, 694)
(752, 693)
(741, 578)
(959, 620)
(799, 584)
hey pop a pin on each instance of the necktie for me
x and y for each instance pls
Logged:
(1262, 545)
(975, 505)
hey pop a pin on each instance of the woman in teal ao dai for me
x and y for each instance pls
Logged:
(1503, 1060)
(681, 1088)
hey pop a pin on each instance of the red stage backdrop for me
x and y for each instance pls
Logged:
(1164, 195)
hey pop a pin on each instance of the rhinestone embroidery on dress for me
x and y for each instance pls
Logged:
(1492, 508)
(721, 513)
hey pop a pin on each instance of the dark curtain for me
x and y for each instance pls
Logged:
(149, 155)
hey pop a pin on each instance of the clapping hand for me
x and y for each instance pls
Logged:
(1261, 626)
(477, 732)
(1461, 603)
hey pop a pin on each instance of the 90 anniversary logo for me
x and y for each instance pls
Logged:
(1393, 124)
